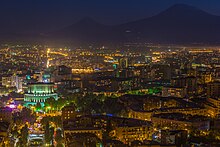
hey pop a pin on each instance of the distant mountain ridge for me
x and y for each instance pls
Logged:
(178, 24)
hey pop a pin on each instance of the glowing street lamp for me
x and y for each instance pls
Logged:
(32, 109)
(48, 108)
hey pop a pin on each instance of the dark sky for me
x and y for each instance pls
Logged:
(58, 13)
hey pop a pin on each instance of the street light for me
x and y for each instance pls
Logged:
(48, 108)
(32, 108)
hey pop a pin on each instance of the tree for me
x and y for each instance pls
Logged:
(27, 115)
(24, 135)
(1, 104)
(19, 143)
(47, 132)
(51, 130)
(59, 137)
(25, 112)
(15, 132)
(60, 103)
(112, 106)
(50, 102)
(38, 106)
(95, 106)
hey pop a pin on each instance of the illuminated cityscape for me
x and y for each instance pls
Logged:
(152, 82)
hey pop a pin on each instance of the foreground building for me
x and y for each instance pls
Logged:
(128, 133)
(124, 130)
(179, 121)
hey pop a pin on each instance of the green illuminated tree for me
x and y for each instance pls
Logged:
(60, 103)
(50, 102)
(38, 106)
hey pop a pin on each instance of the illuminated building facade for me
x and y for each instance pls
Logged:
(179, 121)
(123, 63)
(39, 92)
(147, 115)
(213, 106)
(213, 100)
(69, 133)
(176, 137)
(189, 82)
(12, 81)
(69, 113)
(127, 134)
(213, 89)
(174, 91)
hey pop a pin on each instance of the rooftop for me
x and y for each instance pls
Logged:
(182, 117)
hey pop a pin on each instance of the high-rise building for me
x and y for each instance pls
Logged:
(213, 89)
(123, 63)
(168, 91)
(160, 72)
(189, 82)
(13, 81)
(69, 113)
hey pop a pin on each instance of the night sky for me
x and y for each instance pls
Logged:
(59, 13)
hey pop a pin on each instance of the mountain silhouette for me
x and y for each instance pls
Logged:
(87, 30)
(178, 24)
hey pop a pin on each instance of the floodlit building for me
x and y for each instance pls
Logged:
(213, 89)
(39, 92)
(69, 113)
(13, 81)
(129, 133)
(173, 91)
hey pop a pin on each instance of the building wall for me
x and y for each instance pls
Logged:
(174, 92)
(68, 113)
(213, 89)
(129, 134)
(147, 115)
(179, 125)
(97, 132)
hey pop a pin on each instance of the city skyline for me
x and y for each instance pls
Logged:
(110, 73)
